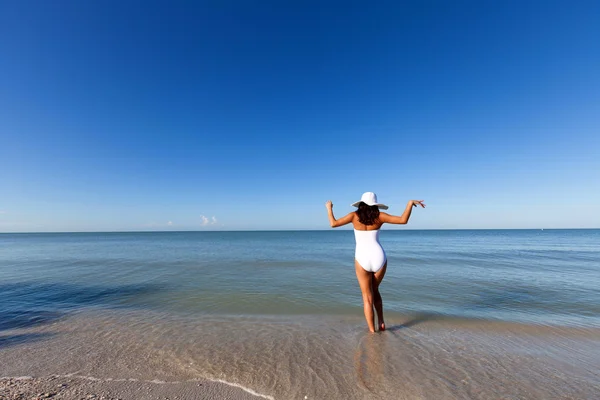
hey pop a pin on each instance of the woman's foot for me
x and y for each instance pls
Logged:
(381, 326)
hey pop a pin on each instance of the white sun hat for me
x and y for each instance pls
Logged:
(370, 198)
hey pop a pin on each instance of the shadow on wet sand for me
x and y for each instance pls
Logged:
(416, 319)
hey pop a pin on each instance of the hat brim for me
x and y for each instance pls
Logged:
(382, 206)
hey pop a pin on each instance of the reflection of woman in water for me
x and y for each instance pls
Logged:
(369, 258)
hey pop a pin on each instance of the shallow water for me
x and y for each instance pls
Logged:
(546, 277)
(471, 314)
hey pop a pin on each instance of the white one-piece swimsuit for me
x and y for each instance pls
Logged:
(369, 253)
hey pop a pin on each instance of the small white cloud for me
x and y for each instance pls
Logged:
(208, 221)
(170, 223)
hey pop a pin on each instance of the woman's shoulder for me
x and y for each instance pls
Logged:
(383, 217)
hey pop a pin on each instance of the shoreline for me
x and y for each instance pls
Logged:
(131, 355)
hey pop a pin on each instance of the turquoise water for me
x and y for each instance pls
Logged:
(542, 277)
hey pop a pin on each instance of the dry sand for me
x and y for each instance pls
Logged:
(74, 387)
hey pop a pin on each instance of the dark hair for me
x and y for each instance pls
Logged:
(367, 214)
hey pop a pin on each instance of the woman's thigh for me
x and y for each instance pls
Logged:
(378, 276)
(365, 279)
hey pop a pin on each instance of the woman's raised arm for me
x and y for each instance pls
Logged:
(337, 222)
(403, 219)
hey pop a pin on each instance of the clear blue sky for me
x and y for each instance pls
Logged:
(140, 115)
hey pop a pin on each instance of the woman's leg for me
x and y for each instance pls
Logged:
(365, 279)
(377, 301)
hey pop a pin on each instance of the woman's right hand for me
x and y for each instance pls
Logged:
(418, 203)
(329, 205)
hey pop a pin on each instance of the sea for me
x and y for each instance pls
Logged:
(472, 314)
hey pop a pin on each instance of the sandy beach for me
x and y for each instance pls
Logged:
(137, 357)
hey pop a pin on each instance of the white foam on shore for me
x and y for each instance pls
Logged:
(154, 381)
(252, 392)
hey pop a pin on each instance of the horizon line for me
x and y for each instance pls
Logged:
(301, 230)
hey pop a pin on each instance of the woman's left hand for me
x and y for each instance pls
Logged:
(418, 203)
(329, 205)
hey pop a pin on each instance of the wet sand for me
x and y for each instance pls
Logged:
(142, 355)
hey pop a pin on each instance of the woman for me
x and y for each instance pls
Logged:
(369, 258)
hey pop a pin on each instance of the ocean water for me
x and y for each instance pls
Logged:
(546, 277)
(281, 312)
